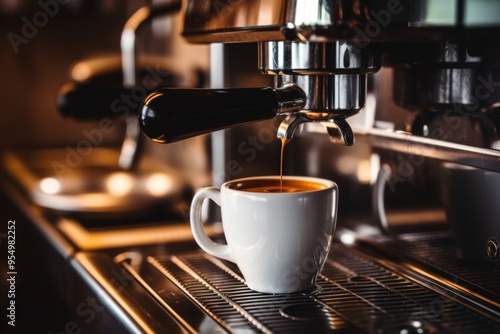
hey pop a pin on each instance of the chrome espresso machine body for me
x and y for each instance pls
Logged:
(424, 74)
(410, 91)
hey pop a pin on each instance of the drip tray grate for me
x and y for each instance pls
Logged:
(440, 253)
(354, 293)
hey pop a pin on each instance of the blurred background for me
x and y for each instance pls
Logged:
(34, 69)
(41, 41)
(41, 45)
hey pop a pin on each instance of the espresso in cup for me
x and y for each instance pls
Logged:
(277, 185)
(279, 237)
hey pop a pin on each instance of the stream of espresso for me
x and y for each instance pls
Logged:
(284, 141)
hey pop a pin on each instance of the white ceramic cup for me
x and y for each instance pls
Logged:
(279, 240)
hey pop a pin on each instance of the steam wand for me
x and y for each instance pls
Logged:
(132, 145)
(92, 100)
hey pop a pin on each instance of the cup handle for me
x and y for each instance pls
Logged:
(200, 236)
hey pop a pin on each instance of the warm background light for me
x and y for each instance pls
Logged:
(119, 184)
(158, 184)
(50, 185)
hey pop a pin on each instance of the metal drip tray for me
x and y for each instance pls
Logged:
(437, 256)
(355, 293)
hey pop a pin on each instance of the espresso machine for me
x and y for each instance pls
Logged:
(394, 100)
(438, 90)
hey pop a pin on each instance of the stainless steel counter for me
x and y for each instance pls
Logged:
(407, 283)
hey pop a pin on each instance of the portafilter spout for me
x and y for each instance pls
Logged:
(333, 77)
(331, 99)
(338, 130)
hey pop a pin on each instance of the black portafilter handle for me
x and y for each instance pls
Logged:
(104, 95)
(168, 115)
(85, 101)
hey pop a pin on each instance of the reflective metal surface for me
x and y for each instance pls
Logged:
(94, 185)
(132, 144)
(333, 76)
(449, 75)
(328, 48)
(124, 306)
(359, 290)
(250, 21)
(330, 99)
(330, 96)
(473, 282)
(315, 58)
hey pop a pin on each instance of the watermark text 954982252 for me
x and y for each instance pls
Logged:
(11, 272)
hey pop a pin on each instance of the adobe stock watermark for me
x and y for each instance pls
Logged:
(380, 19)
(222, 5)
(87, 311)
(309, 266)
(432, 313)
(452, 119)
(123, 106)
(297, 274)
(249, 149)
(31, 27)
